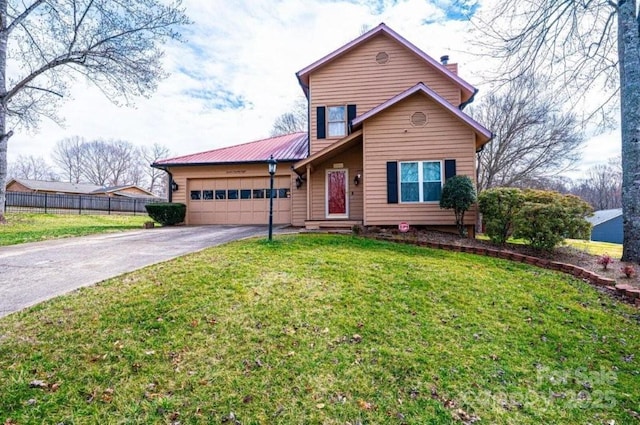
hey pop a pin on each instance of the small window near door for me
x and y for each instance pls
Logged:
(245, 194)
(221, 194)
(232, 193)
(207, 195)
(258, 193)
(196, 195)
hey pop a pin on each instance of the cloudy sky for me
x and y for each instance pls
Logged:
(236, 72)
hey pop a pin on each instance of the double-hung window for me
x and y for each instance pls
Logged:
(420, 181)
(337, 122)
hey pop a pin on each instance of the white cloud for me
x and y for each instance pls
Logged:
(246, 53)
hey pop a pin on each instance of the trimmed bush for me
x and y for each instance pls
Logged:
(546, 218)
(499, 207)
(458, 194)
(167, 214)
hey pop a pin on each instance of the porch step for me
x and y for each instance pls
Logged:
(331, 224)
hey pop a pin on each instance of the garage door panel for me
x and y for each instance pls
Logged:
(237, 200)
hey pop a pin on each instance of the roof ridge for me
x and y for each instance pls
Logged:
(302, 75)
(237, 145)
(286, 147)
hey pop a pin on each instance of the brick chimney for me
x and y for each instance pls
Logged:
(453, 67)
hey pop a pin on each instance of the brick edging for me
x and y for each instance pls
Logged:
(628, 292)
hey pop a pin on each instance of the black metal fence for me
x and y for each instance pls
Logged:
(54, 203)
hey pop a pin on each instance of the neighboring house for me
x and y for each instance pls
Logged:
(607, 226)
(40, 186)
(386, 129)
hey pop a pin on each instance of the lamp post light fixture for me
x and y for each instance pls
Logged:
(272, 170)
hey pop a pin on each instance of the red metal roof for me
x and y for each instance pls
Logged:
(290, 147)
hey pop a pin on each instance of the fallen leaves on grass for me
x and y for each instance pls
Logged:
(365, 405)
(37, 383)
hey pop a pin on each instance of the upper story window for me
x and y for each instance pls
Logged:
(337, 121)
(420, 181)
(334, 121)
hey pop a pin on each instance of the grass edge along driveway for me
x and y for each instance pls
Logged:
(33, 227)
(324, 329)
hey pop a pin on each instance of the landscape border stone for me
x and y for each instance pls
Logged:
(627, 292)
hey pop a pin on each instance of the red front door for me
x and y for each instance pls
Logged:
(337, 194)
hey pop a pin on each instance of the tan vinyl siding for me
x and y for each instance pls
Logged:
(298, 203)
(390, 137)
(17, 187)
(352, 161)
(133, 191)
(356, 78)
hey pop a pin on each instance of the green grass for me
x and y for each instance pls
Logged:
(28, 227)
(319, 329)
(591, 247)
(596, 248)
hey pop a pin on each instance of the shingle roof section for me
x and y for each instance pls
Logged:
(290, 147)
(64, 187)
(602, 216)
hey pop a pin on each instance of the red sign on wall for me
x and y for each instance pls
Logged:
(403, 226)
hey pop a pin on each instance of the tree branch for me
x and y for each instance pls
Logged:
(21, 17)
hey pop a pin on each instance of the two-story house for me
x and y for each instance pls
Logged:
(386, 129)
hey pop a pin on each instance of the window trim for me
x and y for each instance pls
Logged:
(328, 121)
(421, 180)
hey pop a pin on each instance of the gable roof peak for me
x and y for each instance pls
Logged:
(468, 90)
(483, 135)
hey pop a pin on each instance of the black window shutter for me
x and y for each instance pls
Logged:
(351, 115)
(449, 168)
(392, 182)
(321, 122)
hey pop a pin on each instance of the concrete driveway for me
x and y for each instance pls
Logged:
(33, 272)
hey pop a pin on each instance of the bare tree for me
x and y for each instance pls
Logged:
(602, 185)
(292, 121)
(45, 44)
(110, 163)
(585, 46)
(533, 140)
(156, 180)
(67, 155)
(32, 168)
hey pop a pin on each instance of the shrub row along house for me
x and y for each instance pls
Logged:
(386, 129)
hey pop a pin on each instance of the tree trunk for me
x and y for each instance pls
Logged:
(4, 137)
(629, 55)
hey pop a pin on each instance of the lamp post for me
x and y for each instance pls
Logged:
(272, 170)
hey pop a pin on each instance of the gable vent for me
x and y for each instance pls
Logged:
(419, 119)
(382, 58)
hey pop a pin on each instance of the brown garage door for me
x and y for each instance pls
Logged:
(238, 201)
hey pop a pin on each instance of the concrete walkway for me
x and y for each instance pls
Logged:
(33, 272)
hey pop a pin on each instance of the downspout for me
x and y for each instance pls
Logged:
(308, 118)
(470, 100)
(169, 188)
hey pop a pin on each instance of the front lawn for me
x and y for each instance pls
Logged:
(324, 329)
(596, 248)
(30, 227)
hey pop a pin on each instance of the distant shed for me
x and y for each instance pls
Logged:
(607, 226)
